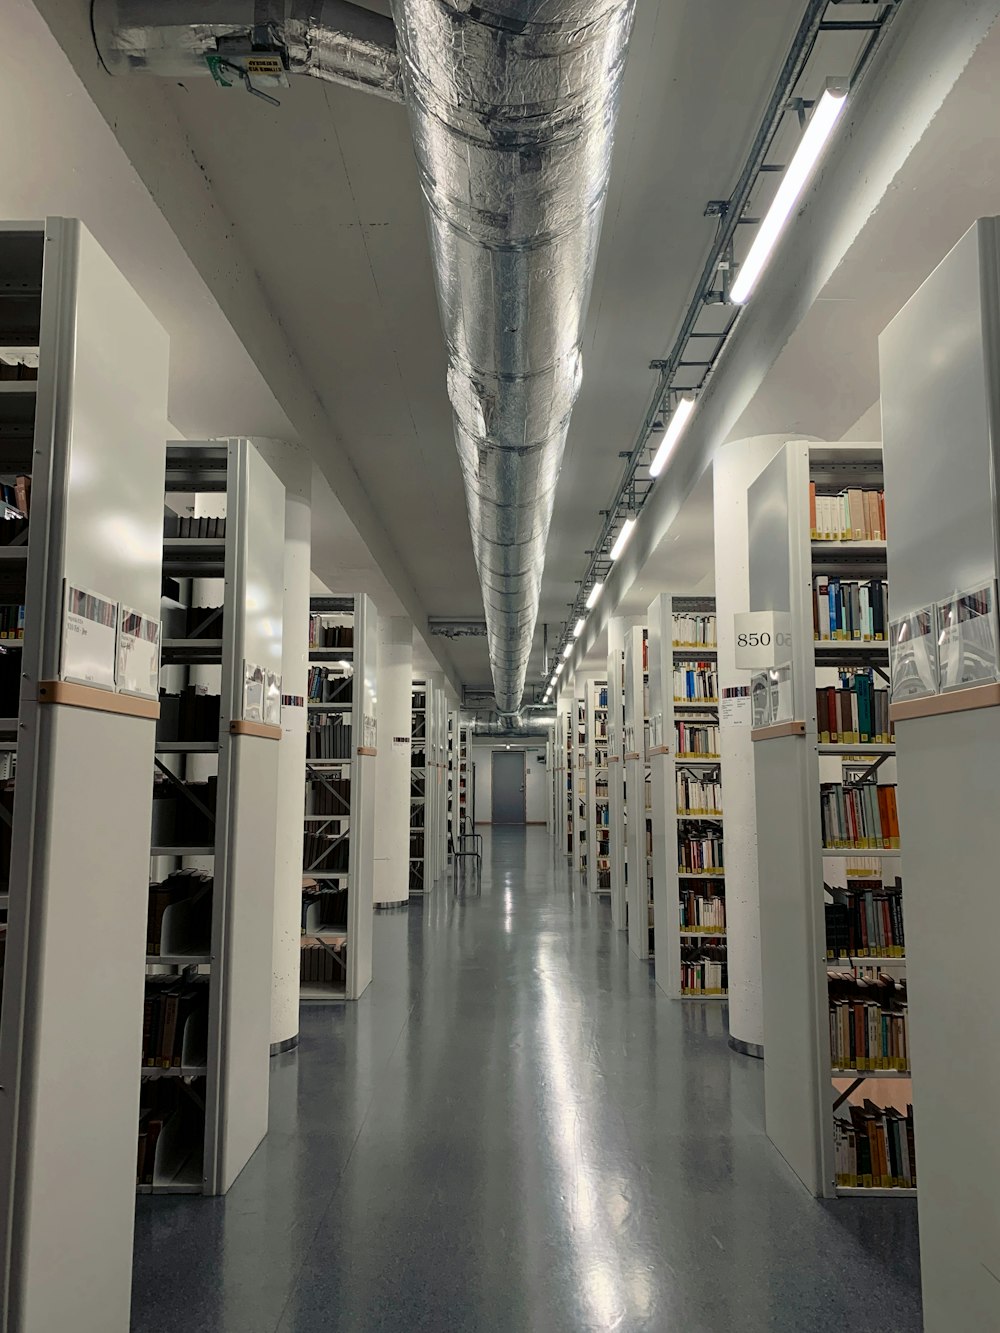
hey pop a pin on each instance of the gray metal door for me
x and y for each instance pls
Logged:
(508, 786)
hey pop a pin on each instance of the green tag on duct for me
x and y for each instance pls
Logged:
(217, 68)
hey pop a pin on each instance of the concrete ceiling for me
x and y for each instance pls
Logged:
(319, 199)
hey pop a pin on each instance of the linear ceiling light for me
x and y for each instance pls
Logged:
(593, 595)
(622, 539)
(568, 649)
(578, 627)
(559, 668)
(678, 421)
(825, 115)
(555, 677)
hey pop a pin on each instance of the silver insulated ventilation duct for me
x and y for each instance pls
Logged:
(512, 107)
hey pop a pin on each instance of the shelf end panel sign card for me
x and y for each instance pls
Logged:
(138, 667)
(913, 655)
(89, 639)
(968, 652)
(272, 699)
(253, 692)
(763, 639)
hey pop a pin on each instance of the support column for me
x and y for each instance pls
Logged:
(392, 768)
(736, 465)
(293, 468)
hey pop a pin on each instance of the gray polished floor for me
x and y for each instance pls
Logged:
(513, 1132)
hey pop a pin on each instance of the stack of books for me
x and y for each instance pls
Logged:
(859, 817)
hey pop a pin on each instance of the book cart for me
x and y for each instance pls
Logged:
(339, 829)
(83, 397)
(836, 1048)
(686, 787)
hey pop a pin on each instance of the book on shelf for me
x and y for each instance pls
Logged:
(695, 682)
(704, 969)
(326, 631)
(868, 1023)
(328, 794)
(17, 370)
(702, 910)
(698, 793)
(857, 514)
(855, 713)
(865, 920)
(12, 623)
(326, 906)
(325, 853)
(874, 1147)
(328, 737)
(165, 1107)
(179, 915)
(192, 715)
(694, 630)
(182, 526)
(696, 740)
(322, 962)
(326, 685)
(183, 812)
(859, 817)
(175, 1025)
(850, 610)
(700, 851)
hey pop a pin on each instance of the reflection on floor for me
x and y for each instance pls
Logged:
(512, 1131)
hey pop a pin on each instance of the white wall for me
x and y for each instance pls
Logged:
(536, 777)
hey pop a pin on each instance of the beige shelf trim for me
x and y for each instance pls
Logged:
(261, 729)
(778, 730)
(371, 750)
(957, 701)
(99, 701)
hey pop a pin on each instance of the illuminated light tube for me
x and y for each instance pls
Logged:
(593, 595)
(680, 418)
(555, 677)
(622, 539)
(578, 628)
(825, 115)
(559, 668)
(568, 649)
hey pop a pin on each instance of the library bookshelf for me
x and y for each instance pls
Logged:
(418, 790)
(637, 813)
(581, 822)
(618, 829)
(77, 768)
(565, 800)
(687, 841)
(595, 693)
(466, 779)
(207, 1010)
(338, 831)
(829, 859)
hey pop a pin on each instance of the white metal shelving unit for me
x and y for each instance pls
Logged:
(90, 434)
(801, 1087)
(419, 883)
(598, 800)
(338, 865)
(638, 851)
(669, 759)
(567, 798)
(616, 769)
(581, 822)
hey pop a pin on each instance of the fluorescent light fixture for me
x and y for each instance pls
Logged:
(825, 115)
(675, 430)
(555, 677)
(568, 649)
(593, 595)
(578, 628)
(559, 668)
(621, 540)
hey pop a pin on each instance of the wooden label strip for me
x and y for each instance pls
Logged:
(371, 751)
(778, 730)
(957, 701)
(632, 754)
(659, 749)
(260, 729)
(98, 701)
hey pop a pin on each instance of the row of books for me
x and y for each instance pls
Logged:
(696, 682)
(854, 515)
(191, 715)
(602, 816)
(850, 609)
(328, 687)
(160, 1103)
(874, 1147)
(16, 494)
(416, 844)
(859, 817)
(696, 740)
(192, 622)
(322, 963)
(856, 713)
(865, 921)
(704, 971)
(600, 728)
(189, 525)
(12, 622)
(329, 795)
(179, 914)
(868, 1023)
(416, 815)
(174, 1025)
(17, 370)
(324, 632)
(328, 737)
(702, 911)
(694, 630)
(700, 852)
(419, 699)
(325, 853)
(697, 795)
(602, 697)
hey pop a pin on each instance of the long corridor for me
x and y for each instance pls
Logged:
(513, 1131)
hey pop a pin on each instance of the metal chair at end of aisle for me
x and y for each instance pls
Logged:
(470, 843)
